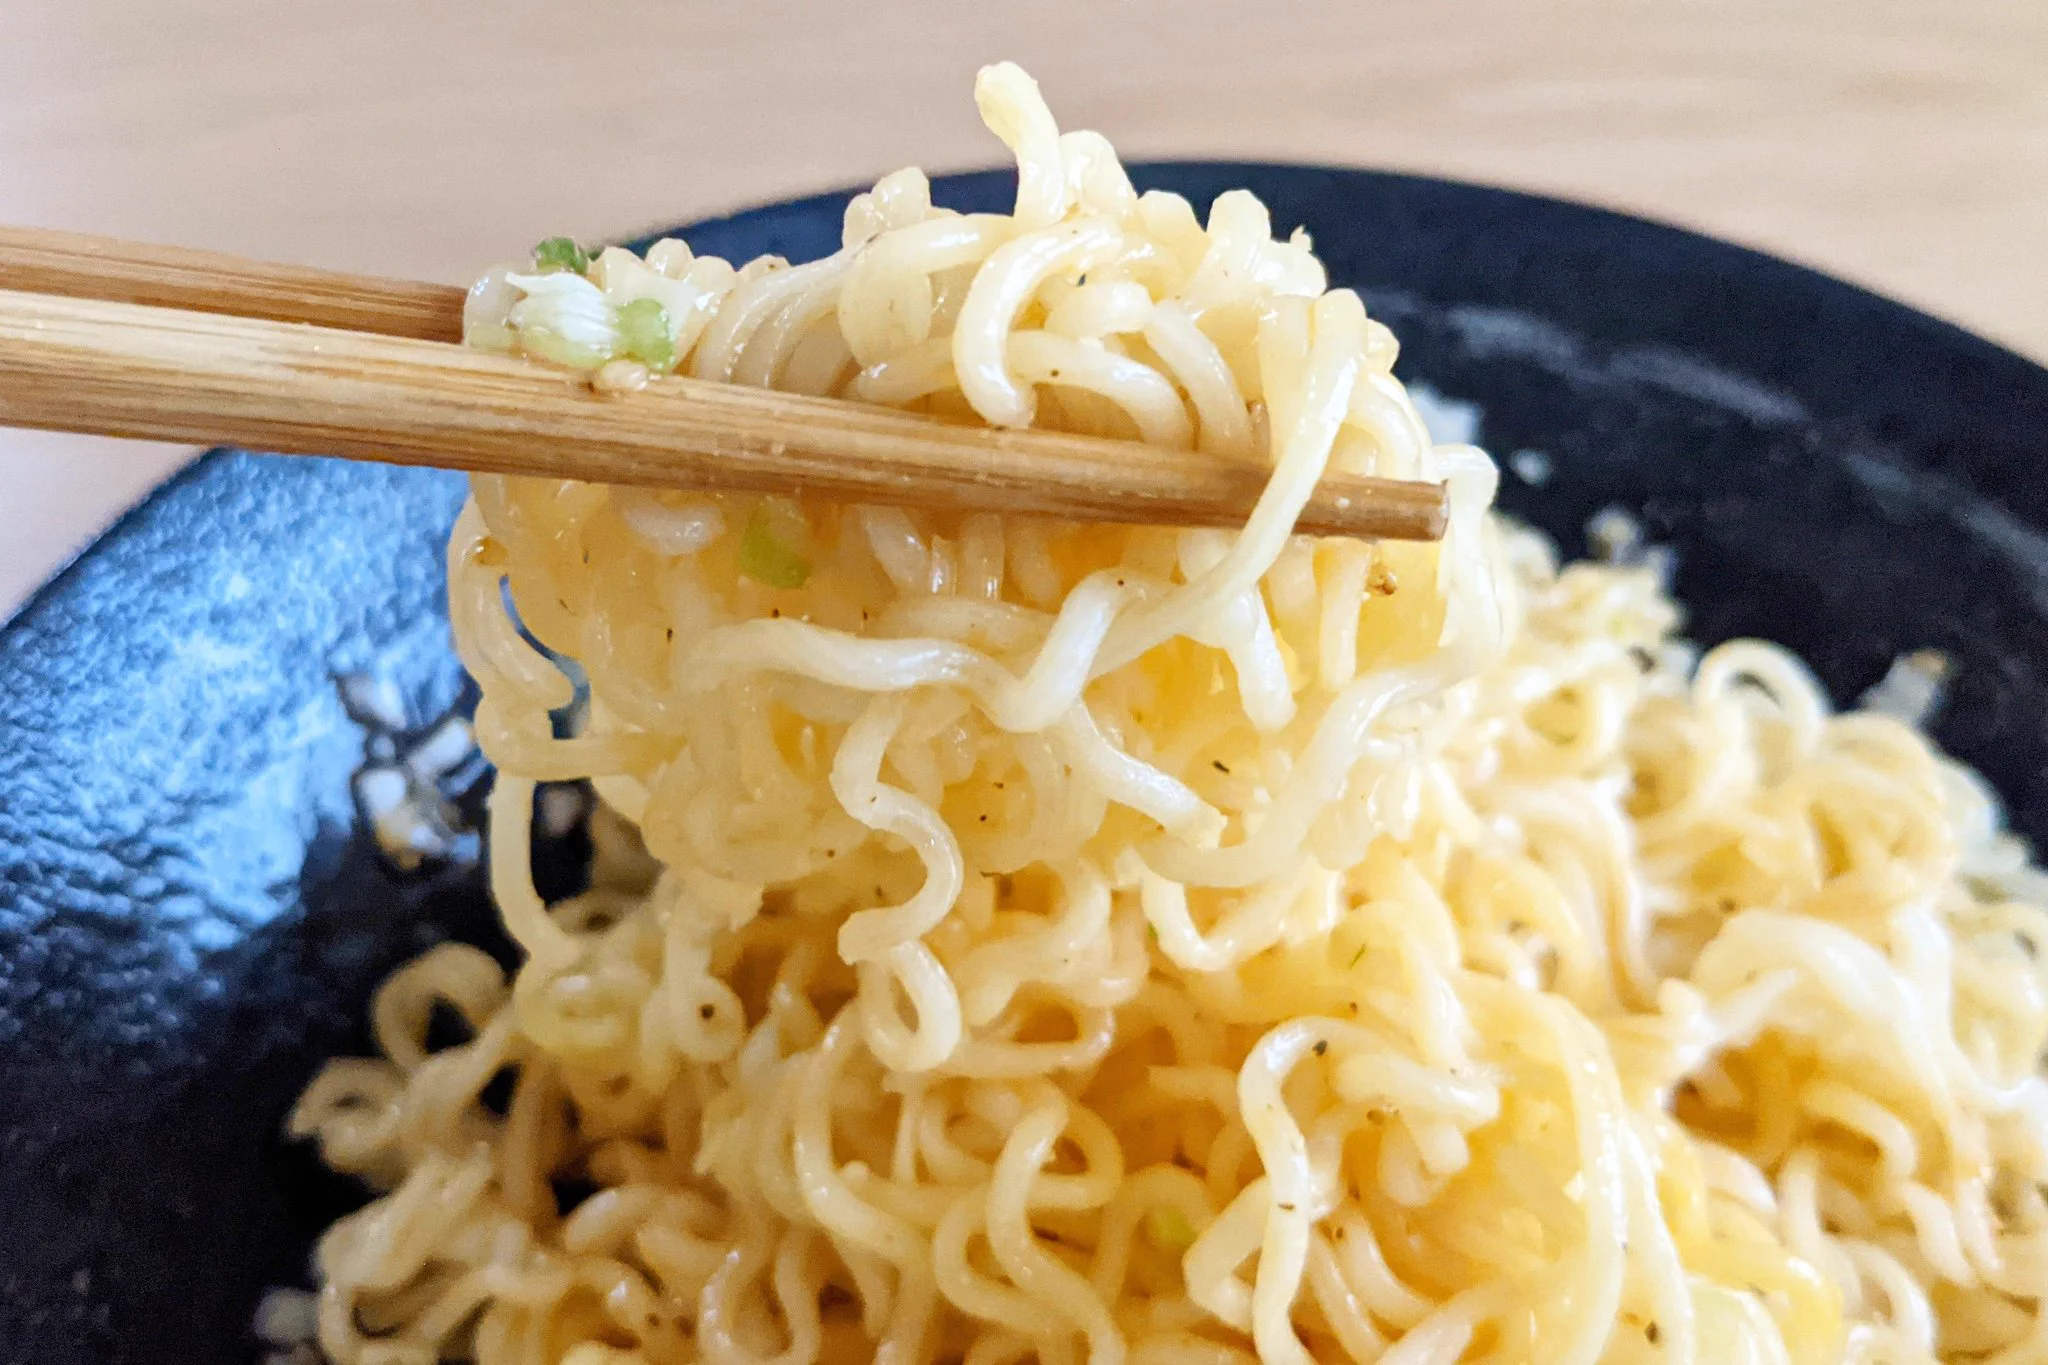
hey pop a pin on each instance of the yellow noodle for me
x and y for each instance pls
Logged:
(1012, 940)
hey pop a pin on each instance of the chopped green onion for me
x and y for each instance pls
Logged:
(1169, 1229)
(766, 556)
(561, 253)
(644, 335)
(547, 344)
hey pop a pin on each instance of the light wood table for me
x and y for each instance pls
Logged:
(1903, 145)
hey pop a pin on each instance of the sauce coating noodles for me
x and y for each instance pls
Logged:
(1012, 940)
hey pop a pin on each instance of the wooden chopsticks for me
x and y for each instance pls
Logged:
(79, 265)
(121, 339)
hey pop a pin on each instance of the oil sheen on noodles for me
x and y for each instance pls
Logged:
(1011, 940)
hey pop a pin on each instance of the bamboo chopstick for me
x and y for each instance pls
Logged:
(81, 265)
(120, 340)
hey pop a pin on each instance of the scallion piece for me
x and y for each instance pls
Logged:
(766, 554)
(561, 253)
(644, 335)
(1169, 1229)
(552, 346)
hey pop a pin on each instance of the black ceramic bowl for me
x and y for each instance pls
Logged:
(190, 922)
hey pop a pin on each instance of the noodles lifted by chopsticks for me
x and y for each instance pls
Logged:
(1012, 940)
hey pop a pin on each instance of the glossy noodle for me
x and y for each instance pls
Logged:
(1011, 940)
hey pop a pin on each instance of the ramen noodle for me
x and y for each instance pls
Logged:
(1015, 940)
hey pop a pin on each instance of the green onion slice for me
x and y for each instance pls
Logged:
(644, 335)
(561, 253)
(771, 547)
(1169, 1229)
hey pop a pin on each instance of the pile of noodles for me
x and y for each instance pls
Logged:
(1014, 940)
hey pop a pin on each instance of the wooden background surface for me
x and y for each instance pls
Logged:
(1903, 145)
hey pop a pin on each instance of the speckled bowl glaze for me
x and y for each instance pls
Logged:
(190, 921)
